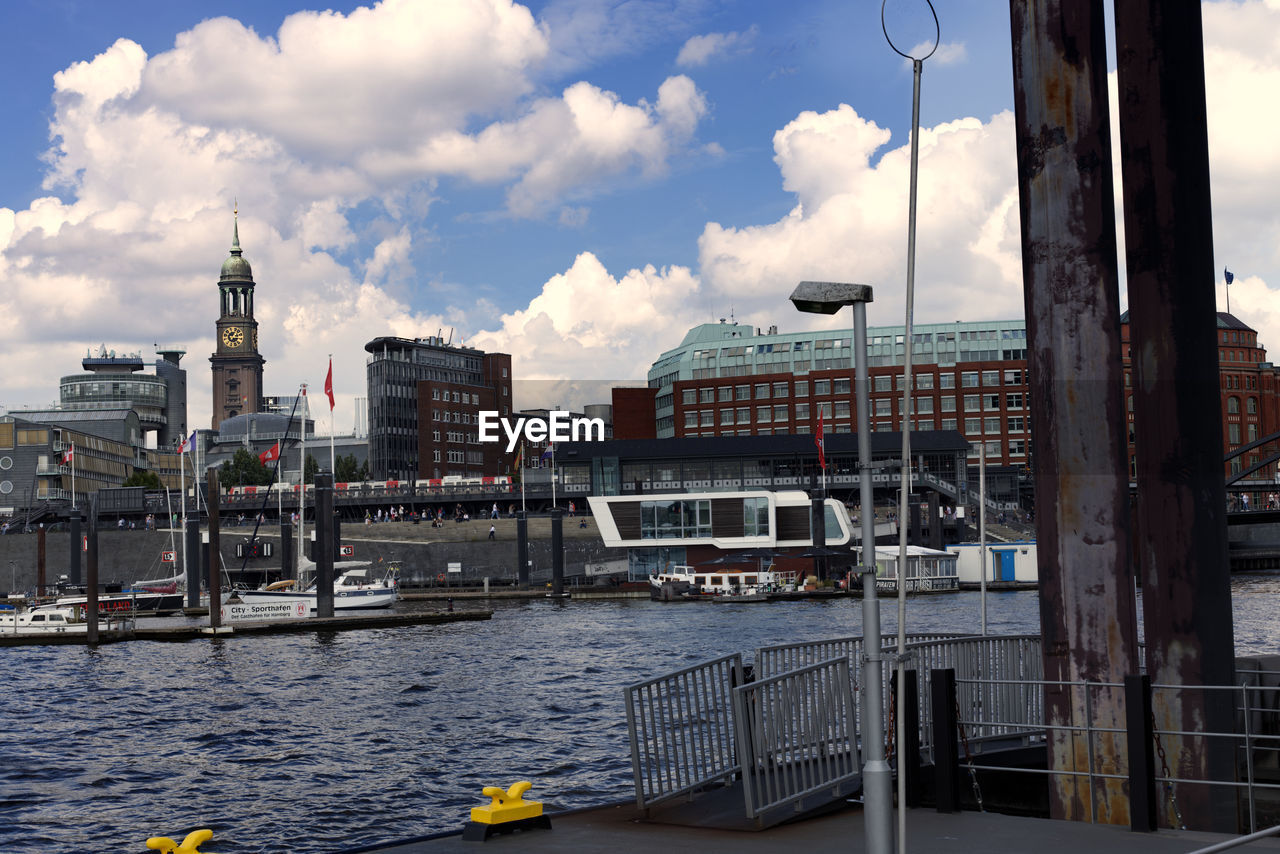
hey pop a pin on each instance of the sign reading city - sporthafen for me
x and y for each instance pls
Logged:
(558, 426)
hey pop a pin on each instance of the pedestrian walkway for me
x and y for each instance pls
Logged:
(619, 828)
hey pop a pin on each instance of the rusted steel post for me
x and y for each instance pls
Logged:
(91, 574)
(215, 552)
(1181, 510)
(1087, 610)
(41, 555)
(324, 549)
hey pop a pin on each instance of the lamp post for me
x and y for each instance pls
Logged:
(877, 780)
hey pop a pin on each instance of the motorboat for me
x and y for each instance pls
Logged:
(687, 582)
(42, 621)
(358, 586)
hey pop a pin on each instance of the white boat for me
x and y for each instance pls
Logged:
(42, 621)
(356, 587)
(685, 581)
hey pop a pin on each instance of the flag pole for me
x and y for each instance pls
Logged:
(553, 475)
(333, 460)
(73, 475)
(520, 471)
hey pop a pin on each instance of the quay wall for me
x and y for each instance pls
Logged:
(128, 556)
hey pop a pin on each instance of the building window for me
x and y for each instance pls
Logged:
(1251, 405)
(948, 424)
(744, 415)
(1013, 377)
(762, 391)
(948, 403)
(690, 419)
(726, 393)
(842, 409)
(946, 380)
(1014, 400)
(802, 388)
(1233, 405)
(841, 387)
(726, 416)
(973, 426)
(707, 395)
(884, 406)
(802, 412)
(991, 378)
(969, 379)
(1233, 434)
(884, 383)
(924, 382)
(742, 392)
(971, 403)
(991, 425)
(689, 396)
(708, 417)
(779, 389)
(1251, 430)
(780, 413)
(1016, 424)
(924, 405)
(990, 401)
(762, 415)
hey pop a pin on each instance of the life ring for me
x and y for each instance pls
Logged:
(440, 577)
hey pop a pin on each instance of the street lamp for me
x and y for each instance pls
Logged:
(877, 781)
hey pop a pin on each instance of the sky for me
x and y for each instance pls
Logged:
(574, 182)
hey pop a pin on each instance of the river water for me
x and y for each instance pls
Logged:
(318, 742)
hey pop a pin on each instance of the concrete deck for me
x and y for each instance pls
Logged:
(619, 828)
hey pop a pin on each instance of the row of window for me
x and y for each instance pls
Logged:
(1014, 401)
(841, 386)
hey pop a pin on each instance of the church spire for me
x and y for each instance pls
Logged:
(235, 228)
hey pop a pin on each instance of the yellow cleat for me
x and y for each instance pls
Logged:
(190, 845)
(507, 812)
(507, 806)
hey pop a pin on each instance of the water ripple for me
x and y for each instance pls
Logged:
(320, 742)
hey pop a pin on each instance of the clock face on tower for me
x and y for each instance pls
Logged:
(233, 336)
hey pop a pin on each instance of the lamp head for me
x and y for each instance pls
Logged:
(828, 297)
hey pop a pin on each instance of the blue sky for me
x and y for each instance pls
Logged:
(572, 182)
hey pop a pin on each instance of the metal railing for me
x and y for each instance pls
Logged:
(681, 728)
(797, 737)
(998, 683)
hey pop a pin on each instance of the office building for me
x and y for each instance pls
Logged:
(424, 398)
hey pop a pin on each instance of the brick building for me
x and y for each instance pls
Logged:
(425, 395)
(1250, 398)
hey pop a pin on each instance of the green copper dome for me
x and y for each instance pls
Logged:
(236, 268)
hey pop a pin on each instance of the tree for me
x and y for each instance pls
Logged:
(149, 479)
(244, 469)
(311, 469)
(349, 470)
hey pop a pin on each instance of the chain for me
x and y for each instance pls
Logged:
(892, 729)
(1164, 772)
(968, 759)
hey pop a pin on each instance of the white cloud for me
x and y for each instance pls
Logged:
(700, 50)
(850, 222)
(948, 53)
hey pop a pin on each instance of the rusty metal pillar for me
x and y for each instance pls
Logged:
(1087, 609)
(91, 574)
(1181, 509)
(41, 556)
(323, 550)
(214, 551)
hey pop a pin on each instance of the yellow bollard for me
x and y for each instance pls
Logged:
(506, 812)
(190, 845)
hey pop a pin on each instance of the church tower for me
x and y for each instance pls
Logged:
(237, 366)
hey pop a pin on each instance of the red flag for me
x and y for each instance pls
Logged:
(817, 440)
(70, 453)
(328, 384)
(270, 454)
